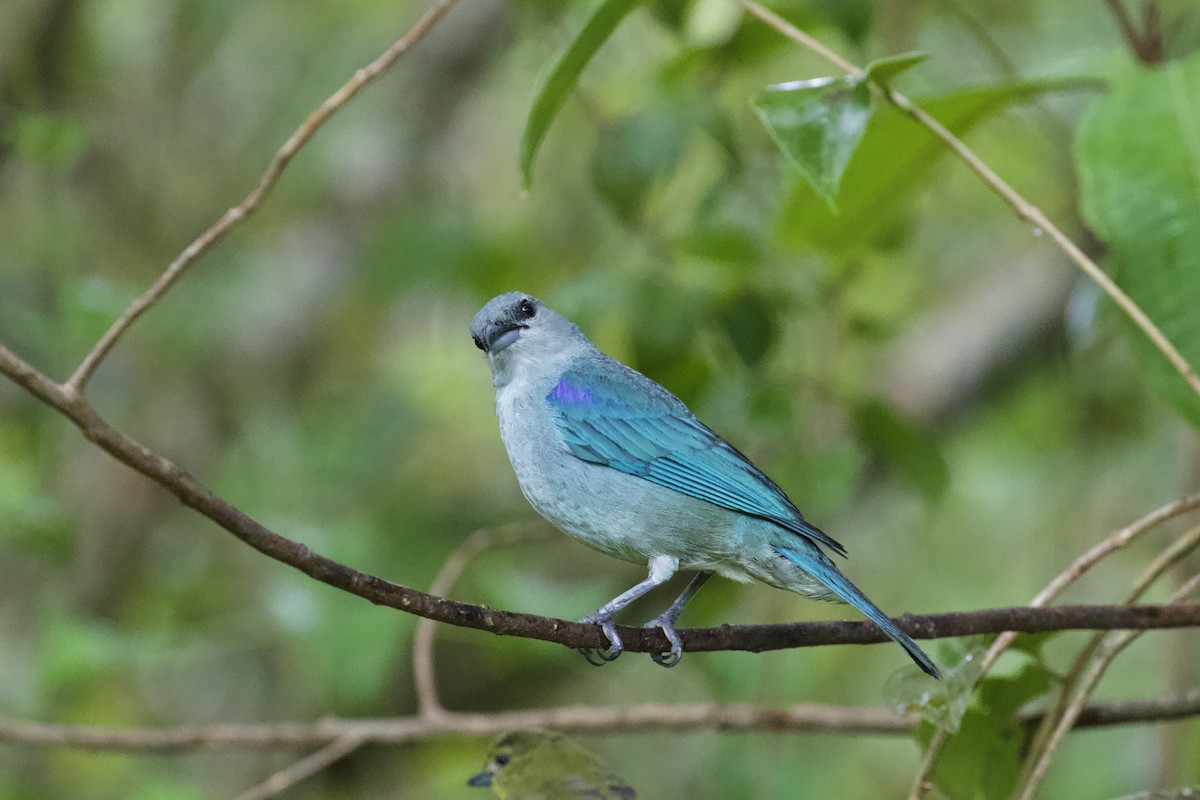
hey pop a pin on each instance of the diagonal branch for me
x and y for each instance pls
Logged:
(1147, 43)
(1074, 571)
(424, 678)
(205, 242)
(304, 768)
(1025, 209)
(1085, 675)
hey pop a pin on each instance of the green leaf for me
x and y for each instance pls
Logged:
(817, 124)
(983, 760)
(563, 75)
(748, 320)
(724, 244)
(157, 787)
(33, 519)
(671, 13)
(940, 704)
(882, 70)
(905, 448)
(851, 17)
(76, 651)
(892, 161)
(662, 319)
(634, 154)
(1138, 151)
(50, 139)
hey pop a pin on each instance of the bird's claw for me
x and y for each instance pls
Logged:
(598, 658)
(672, 658)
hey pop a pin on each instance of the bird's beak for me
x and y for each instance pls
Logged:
(480, 779)
(498, 335)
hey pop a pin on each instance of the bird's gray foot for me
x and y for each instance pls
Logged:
(598, 658)
(666, 623)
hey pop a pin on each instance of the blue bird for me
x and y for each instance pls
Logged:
(615, 460)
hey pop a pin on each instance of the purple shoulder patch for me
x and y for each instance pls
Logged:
(567, 394)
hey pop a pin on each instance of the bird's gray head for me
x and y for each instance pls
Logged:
(516, 330)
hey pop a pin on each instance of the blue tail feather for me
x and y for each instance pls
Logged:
(818, 565)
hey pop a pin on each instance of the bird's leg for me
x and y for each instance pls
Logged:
(661, 570)
(666, 621)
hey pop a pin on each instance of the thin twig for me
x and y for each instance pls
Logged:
(1024, 209)
(1122, 713)
(304, 768)
(1086, 686)
(595, 720)
(1007, 67)
(1181, 793)
(424, 677)
(1081, 684)
(1128, 32)
(1146, 44)
(1075, 570)
(1046, 738)
(790, 31)
(205, 242)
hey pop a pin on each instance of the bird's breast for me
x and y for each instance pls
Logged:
(617, 513)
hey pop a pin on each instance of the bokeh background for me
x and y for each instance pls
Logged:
(930, 381)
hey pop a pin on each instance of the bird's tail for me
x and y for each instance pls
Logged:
(818, 565)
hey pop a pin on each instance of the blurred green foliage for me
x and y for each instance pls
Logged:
(983, 758)
(1139, 161)
(930, 382)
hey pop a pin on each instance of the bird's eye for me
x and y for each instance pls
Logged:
(503, 759)
(527, 308)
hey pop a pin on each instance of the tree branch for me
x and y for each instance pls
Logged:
(1075, 570)
(68, 399)
(1061, 719)
(304, 768)
(205, 242)
(1145, 44)
(596, 720)
(424, 678)
(756, 638)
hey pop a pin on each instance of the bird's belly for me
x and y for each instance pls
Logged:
(623, 515)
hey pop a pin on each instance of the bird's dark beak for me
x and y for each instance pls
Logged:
(480, 779)
(498, 335)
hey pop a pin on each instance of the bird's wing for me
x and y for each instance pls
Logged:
(574, 786)
(609, 414)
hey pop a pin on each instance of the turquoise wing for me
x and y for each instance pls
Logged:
(612, 415)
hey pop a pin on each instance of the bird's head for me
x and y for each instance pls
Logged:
(511, 757)
(517, 330)
(546, 764)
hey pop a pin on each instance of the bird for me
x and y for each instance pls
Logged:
(544, 765)
(618, 462)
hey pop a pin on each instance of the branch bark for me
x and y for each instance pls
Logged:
(755, 638)
(595, 720)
